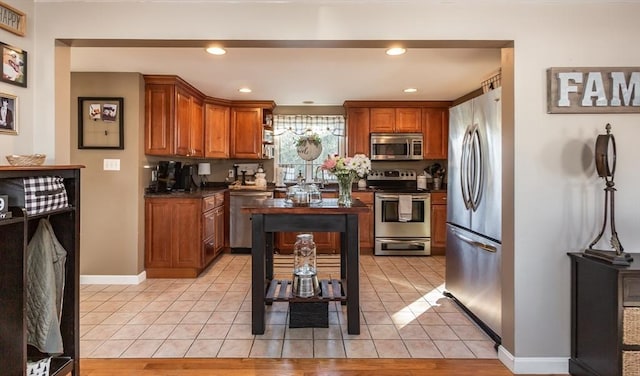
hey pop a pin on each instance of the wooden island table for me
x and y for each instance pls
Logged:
(275, 215)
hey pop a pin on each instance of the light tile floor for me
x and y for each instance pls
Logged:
(403, 315)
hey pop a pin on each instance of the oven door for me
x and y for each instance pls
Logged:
(402, 246)
(387, 218)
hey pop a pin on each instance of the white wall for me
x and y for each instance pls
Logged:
(557, 198)
(23, 142)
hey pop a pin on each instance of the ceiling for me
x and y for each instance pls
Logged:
(295, 73)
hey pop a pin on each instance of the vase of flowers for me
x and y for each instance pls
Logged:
(346, 169)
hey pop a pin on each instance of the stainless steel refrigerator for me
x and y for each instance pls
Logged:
(474, 205)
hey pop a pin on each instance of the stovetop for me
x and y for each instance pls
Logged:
(393, 181)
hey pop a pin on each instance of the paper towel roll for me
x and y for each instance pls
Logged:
(279, 177)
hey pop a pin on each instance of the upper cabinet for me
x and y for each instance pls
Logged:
(248, 123)
(217, 119)
(358, 131)
(431, 118)
(435, 129)
(396, 120)
(174, 117)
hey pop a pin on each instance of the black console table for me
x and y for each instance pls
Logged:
(605, 317)
(274, 215)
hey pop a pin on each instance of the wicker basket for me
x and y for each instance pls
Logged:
(631, 326)
(26, 160)
(631, 363)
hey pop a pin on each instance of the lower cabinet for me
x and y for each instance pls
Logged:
(438, 223)
(182, 235)
(365, 220)
(605, 317)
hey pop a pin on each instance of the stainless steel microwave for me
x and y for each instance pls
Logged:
(396, 146)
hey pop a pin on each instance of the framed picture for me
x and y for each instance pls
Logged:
(8, 114)
(14, 65)
(100, 123)
(13, 20)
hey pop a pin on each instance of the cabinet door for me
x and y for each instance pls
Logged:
(186, 233)
(218, 235)
(216, 131)
(435, 130)
(365, 220)
(158, 124)
(158, 229)
(246, 133)
(183, 126)
(196, 135)
(438, 223)
(382, 119)
(408, 120)
(358, 131)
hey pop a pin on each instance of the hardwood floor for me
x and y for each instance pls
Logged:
(293, 367)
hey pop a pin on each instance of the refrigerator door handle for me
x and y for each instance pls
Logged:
(477, 244)
(477, 179)
(464, 169)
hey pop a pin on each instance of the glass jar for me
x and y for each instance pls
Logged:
(305, 279)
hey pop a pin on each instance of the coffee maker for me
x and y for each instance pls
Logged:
(173, 176)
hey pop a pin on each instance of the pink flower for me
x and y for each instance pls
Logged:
(329, 164)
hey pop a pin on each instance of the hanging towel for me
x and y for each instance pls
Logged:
(46, 260)
(404, 208)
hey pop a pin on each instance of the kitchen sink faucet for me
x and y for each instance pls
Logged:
(315, 177)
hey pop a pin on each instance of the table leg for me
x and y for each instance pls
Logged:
(353, 274)
(269, 255)
(258, 266)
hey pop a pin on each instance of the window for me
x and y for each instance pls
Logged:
(289, 128)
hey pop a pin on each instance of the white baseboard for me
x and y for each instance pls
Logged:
(113, 279)
(531, 365)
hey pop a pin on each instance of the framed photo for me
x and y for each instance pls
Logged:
(14, 65)
(8, 114)
(100, 123)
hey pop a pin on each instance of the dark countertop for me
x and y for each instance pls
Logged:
(198, 193)
(327, 206)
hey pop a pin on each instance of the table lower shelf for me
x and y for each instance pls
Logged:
(279, 290)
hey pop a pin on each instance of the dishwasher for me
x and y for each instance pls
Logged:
(240, 223)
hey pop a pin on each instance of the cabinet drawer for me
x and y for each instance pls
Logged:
(212, 201)
(631, 292)
(438, 198)
(631, 363)
(365, 197)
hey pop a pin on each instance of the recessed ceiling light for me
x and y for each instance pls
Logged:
(216, 50)
(244, 90)
(410, 90)
(394, 51)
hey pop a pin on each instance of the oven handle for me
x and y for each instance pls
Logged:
(416, 242)
(420, 196)
(483, 246)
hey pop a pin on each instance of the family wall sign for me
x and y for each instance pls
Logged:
(593, 90)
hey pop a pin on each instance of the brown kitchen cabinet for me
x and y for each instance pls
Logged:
(326, 242)
(248, 120)
(174, 117)
(435, 130)
(358, 131)
(217, 118)
(438, 223)
(182, 234)
(365, 220)
(396, 120)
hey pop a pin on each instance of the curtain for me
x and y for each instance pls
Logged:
(303, 124)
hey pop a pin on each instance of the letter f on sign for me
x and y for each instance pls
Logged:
(565, 88)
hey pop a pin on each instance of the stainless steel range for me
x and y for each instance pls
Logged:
(402, 214)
